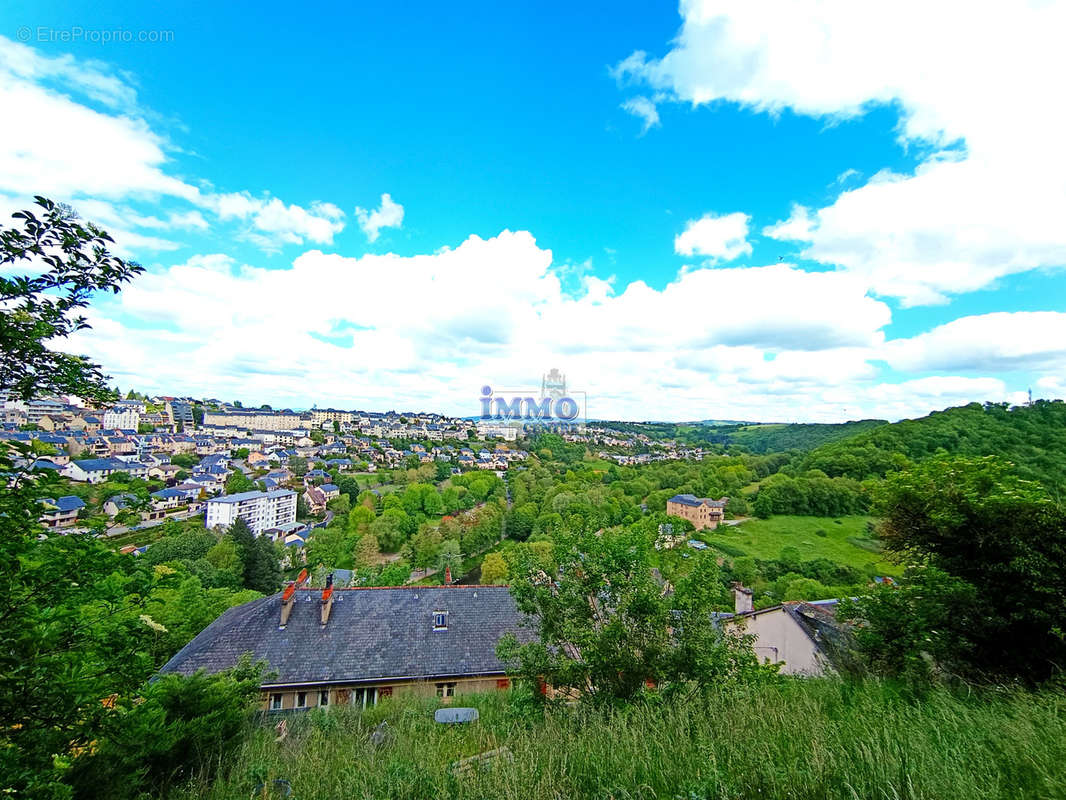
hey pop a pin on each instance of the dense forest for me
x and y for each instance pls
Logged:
(800, 436)
(1033, 438)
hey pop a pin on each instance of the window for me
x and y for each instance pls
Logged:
(323, 697)
(365, 697)
(445, 690)
(440, 620)
(301, 699)
(275, 702)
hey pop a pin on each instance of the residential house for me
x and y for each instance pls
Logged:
(164, 472)
(316, 499)
(330, 491)
(97, 470)
(805, 638)
(119, 502)
(61, 512)
(166, 499)
(351, 647)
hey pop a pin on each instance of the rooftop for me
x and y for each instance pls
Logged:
(372, 634)
(252, 495)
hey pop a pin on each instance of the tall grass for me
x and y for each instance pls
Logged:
(795, 739)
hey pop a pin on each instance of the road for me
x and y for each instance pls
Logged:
(121, 529)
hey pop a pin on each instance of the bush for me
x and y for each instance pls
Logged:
(182, 727)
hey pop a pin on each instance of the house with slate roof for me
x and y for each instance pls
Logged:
(703, 512)
(61, 513)
(343, 647)
(96, 470)
(803, 638)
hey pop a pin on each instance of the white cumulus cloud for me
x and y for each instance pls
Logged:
(977, 86)
(388, 215)
(721, 238)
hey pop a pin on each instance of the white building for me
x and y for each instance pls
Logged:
(97, 470)
(497, 430)
(261, 510)
(122, 417)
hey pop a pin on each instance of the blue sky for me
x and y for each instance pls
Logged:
(605, 192)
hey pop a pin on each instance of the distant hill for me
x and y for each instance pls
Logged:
(776, 437)
(1032, 437)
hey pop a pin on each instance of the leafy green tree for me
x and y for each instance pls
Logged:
(917, 630)
(303, 511)
(35, 311)
(224, 557)
(395, 573)
(391, 529)
(980, 525)
(805, 589)
(177, 727)
(606, 628)
(366, 550)
(359, 519)
(260, 564)
(340, 505)
(494, 569)
(745, 570)
(238, 482)
(70, 633)
(263, 571)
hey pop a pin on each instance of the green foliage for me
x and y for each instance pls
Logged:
(777, 438)
(260, 564)
(34, 311)
(993, 537)
(238, 482)
(179, 727)
(1031, 437)
(916, 630)
(814, 495)
(605, 627)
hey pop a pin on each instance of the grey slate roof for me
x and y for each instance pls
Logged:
(692, 500)
(372, 634)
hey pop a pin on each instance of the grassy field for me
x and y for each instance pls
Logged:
(846, 541)
(810, 739)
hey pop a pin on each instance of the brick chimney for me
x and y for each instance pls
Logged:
(742, 599)
(447, 575)
(288, 597)
(327, 599)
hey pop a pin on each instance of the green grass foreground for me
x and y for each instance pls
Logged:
(791, 739)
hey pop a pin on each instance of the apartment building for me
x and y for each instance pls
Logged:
(497, 430)
(253, 420)
(124, 418)
(320, 416)
(261, 510)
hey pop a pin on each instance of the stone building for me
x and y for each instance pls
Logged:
(702, 512)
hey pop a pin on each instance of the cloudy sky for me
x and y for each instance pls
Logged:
(795, 211)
